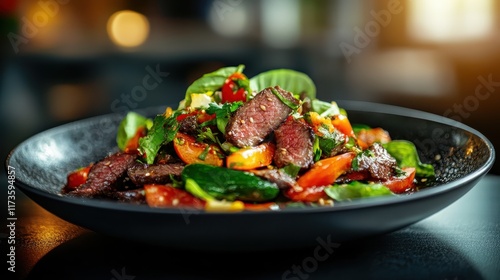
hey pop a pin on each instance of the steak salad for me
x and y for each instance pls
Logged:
(236, 144)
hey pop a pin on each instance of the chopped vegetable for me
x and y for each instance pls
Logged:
(77, 178)
(129, 127)
(162, 132)
(251, 157)
(356, 189)
(168, 196)
(210, 82)
(191, 151)
(325, 171)
(401, 183)
(227, 184)
(406, 155)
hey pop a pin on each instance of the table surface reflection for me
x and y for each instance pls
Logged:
(460, 242)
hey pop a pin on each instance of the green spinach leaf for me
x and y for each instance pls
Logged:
(293, 81)
(128, 128)
(356, 189)
(406, 155)
(162, 132)
(211, 82)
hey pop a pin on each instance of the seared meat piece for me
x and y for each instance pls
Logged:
(142, 174)
(189, 125)
(137, 196)
(294, 144)
(105, 174)
(277, 176)
(253, 121)
(377, 161)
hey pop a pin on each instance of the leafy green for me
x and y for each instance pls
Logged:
(128, 128)
(316, 149)
(325, 109)
(356, 189)
(292, 170)
(329, 140)
(293, 81)
(356, 127)
(222, 113)
(285, 101)
(211, 82)
(162, 132)
(406, 155)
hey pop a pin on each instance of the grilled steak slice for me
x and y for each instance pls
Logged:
(278, 176)
(253, 121)
(136, 196)
(294, 144)
(142, 174)
(104, 175)
(189, 125)
(377, 161)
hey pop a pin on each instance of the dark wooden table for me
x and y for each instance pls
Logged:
(460, 242)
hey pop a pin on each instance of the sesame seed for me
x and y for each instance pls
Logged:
(147, 174)
(251, 119)
(242, 121)
(175, 201)
(263, 107)
(269, 99)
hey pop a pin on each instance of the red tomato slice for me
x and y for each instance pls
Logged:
(168, 196)
(310, 194)
(189, 150)
(133, 143)
(231, 92)
(77, 178)
(402, 183)
(324, 172)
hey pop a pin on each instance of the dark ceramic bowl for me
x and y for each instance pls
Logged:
(460, 155)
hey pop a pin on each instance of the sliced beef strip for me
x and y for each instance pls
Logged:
(294, 144)
(142, 174)
(380, 163)
(104, 175)
(189, 125)
(257, 118)
(278, 176)
(136, 196)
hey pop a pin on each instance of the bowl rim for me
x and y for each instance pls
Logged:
(365, 106)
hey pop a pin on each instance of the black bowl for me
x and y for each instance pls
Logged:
(460, 155)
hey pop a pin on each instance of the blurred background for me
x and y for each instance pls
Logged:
(64, 60)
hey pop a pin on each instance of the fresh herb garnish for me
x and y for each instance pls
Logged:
(222, 113)
(162, 132)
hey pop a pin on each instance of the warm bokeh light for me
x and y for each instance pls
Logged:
(450, 20)
(128, 28)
